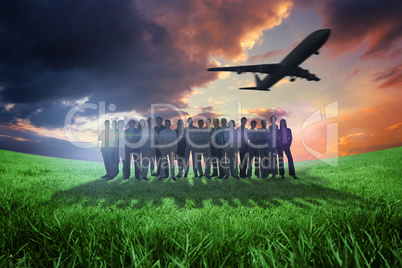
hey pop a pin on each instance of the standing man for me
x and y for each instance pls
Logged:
(273, 135)
(159, 127)
(132, 137)
(284, 143)
(262, 137)
(208, 148)
(119, 142)
(244, 155)
(189, 134)
(215, 151)
(223, 142)
(181, 147)
(202, 140)
(152, 151)
(146, 148)
(116, 158)
(253, 151)
(231, 138)
(106, 136)
(168, 148)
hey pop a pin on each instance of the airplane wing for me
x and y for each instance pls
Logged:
(262, 68)
(303, 73)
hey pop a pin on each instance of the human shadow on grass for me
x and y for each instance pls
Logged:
(198, 193)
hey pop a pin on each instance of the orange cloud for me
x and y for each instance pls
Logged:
(26, 126)
(221, 28)
(364, 131)
(377, 109)
(394, 126)
(346, 139)
(15, 138)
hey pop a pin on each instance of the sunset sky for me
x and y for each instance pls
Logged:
(55, 55)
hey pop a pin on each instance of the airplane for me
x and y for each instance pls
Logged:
(289, 66)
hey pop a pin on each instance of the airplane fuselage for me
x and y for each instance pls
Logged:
(309, 46)
(289, 66)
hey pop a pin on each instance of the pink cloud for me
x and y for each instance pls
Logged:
(265, 56)
(265, 113)
(391, 77)
(271, 54)
(353, 73)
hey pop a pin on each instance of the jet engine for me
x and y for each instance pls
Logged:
(305, 73)
(312, 77)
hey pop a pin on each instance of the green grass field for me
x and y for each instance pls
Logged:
(58, 212)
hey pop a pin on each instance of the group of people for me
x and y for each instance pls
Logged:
(219, 147)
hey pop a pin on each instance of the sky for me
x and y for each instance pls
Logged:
(66, 66)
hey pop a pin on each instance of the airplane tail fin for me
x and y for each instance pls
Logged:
(255, 88)
(258, 85)
(257, 81)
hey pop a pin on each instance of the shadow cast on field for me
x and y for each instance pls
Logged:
(197, 193)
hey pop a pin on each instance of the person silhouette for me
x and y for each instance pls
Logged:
(146, 149)
(202, 140)
(216, 152)
(107, 137)
(262, 138)
(168, 147)
(189, 135)
(272, 152)
(253, 151)
(150, 126)
(181, 147)
(115, 158)
(223, 142)
(132, 138)
(119, 141)
(231, 139)
(284, 141)
(243, 150)
(158, 128)
(207, 151)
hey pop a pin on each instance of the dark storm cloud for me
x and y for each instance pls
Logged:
(53, 52)
(376, 24)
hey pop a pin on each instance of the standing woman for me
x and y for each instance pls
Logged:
(181, 147)
(284, 139)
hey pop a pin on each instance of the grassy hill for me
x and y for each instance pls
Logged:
(58, 212)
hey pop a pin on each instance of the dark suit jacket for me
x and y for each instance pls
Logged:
(132, 136)
(243, 133)
(158, 131)
(280, 138)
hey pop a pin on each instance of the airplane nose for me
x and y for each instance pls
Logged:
(327, 32)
